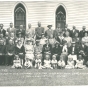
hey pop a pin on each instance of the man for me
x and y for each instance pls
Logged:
(49, 32)
(2, 52)
(82, 32)
(38, 31)
(30, 31)
(73, 32)
(11, 29)
(57, 31)
(47, 50)
(22, 30)
(2, 31)
(67, 29)
(10, 50)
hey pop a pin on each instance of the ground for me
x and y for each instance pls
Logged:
(43, 77)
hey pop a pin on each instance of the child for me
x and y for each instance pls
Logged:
(28, 63)
(42, 40)
(47, 63)
(29, 51)
(61, 63)
(38, 62)
(79, 63)
(70, 63)
(17, 62)
(54, 62)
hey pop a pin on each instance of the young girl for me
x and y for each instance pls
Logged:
(70, 63)
(28, 63)
(61, 63)
(17, 62)
(38, 62)
(47, 63)
(54, 62)
(79, 63)
(29, 51)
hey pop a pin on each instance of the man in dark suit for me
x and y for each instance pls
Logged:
(38, 31)
(22, 30)
(82, 32)
(11, 29)
(66, 29)
(57, 31)
(73, 32)
(49, 32)
(2, 31)
(46, 50)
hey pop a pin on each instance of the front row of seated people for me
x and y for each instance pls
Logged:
(42, 54)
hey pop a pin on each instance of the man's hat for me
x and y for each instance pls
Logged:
(49, 25)
(19, 33)
(43, 34)
(29, 40)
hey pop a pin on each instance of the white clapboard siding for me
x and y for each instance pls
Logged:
(44, 11)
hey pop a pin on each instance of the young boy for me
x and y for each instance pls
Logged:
(16, 62)
(38, 62)
(61, 63)
(70, 63)
(54, 62)
(79, 63)
(28, 63)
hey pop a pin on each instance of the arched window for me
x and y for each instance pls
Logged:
(60, 17)
(19, 16)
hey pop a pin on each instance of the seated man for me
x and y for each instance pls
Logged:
(2, 52)
(57, 50)
(20, 51)
(73, 51)
(10, 50)
(47, 50)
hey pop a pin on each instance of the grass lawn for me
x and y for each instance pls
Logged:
(43, 77)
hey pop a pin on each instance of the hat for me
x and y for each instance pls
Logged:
(29, 40)
(49, 25)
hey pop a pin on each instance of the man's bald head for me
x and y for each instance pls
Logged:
(21, 26)
(39, 24)
(29, 25)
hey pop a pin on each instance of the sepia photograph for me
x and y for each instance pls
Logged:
(44, 43)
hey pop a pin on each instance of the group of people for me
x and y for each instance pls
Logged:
(43, 49)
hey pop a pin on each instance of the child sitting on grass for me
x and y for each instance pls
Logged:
(17, 62)
(38, 62)
(70, 63)
(47, 63)
(61, 63)
(79, 63)
(54, 62)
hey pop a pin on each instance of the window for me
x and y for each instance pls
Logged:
(60, 17)
(19, 16)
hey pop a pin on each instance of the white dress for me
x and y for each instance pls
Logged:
(61, 63)
(79, 64)
(29, 50)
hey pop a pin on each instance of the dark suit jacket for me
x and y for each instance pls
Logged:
(3, 32)
(22, 32)
(47, 49)
(68, 31)
(38, 32)
(81, 34)
(73, 33)
(76, 50)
